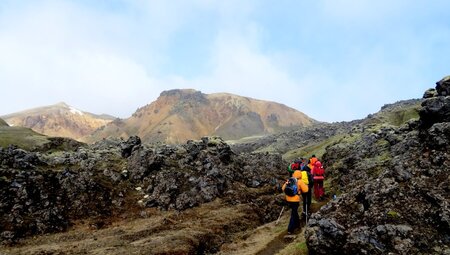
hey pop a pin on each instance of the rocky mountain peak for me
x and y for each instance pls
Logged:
(182, 114)
(62, 104)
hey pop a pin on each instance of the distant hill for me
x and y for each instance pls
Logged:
(306, 141)
(24, 138)
(3, 123)
(59, 120)
(182, 114)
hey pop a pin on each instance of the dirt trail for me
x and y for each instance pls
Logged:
(268, 239)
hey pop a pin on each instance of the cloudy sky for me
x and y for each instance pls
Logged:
(331, 59)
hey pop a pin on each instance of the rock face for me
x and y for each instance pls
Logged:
(43, 192)
(393, 188)
(180, 115)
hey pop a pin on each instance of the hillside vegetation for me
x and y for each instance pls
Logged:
(24, 138)
(3, 123)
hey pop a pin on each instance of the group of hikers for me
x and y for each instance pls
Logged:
(303, 176)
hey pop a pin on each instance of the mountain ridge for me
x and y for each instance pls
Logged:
(182, 114)
(58, 120)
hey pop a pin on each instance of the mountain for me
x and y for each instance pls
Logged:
(183, 114)
(3, 123)
(60, 120)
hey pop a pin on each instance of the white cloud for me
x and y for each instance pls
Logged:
(114, 61)
(59, 51)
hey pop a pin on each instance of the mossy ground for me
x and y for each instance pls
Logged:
(24, 138)
(317, 149)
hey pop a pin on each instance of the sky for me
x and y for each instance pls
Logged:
(334, 60)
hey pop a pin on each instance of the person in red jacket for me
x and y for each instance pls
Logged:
(294, 201)
(318, 175)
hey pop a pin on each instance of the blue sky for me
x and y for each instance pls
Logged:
(334, 60)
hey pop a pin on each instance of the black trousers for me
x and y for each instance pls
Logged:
(307, 200)
(294, 222)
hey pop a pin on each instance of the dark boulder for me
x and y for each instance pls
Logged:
(434, 110)
(443, 86)
(128, 146)
(429, 93)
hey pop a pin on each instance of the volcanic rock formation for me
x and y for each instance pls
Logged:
(393, 188)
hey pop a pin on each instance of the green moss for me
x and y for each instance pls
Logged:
(384, 157)
(270, 149)
(24, 138)
(398, 118)
(382, 143)
(394, 118)
(317, 149)
(393, 214)
(302, 247)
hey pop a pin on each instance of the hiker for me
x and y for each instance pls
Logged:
(312, 161)
(293, 166)
(308, 180)
(296, 186)
(318, 175)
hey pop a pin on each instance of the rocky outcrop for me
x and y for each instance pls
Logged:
(392, 185)
(435, 109)
(46, 191)
(443, 86)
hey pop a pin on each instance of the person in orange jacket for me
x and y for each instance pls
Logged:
(312, 161)
(294, 201)
(318, 175)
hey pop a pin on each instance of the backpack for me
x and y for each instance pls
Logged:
(291, 187)
(319, 171)
(295, 166)
(310, 179)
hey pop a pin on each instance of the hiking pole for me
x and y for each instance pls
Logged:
(276, 223)
(306, 213)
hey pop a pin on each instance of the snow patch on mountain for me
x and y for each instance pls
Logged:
(75, 111)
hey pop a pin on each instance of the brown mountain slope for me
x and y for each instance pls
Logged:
(58, 120)
(179, 115)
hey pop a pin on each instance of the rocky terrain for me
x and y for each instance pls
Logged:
(392, 184)
(290, 142)
(306, 141)
(54, 190)
(389, 171)
(60, 120)
(179, 115)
